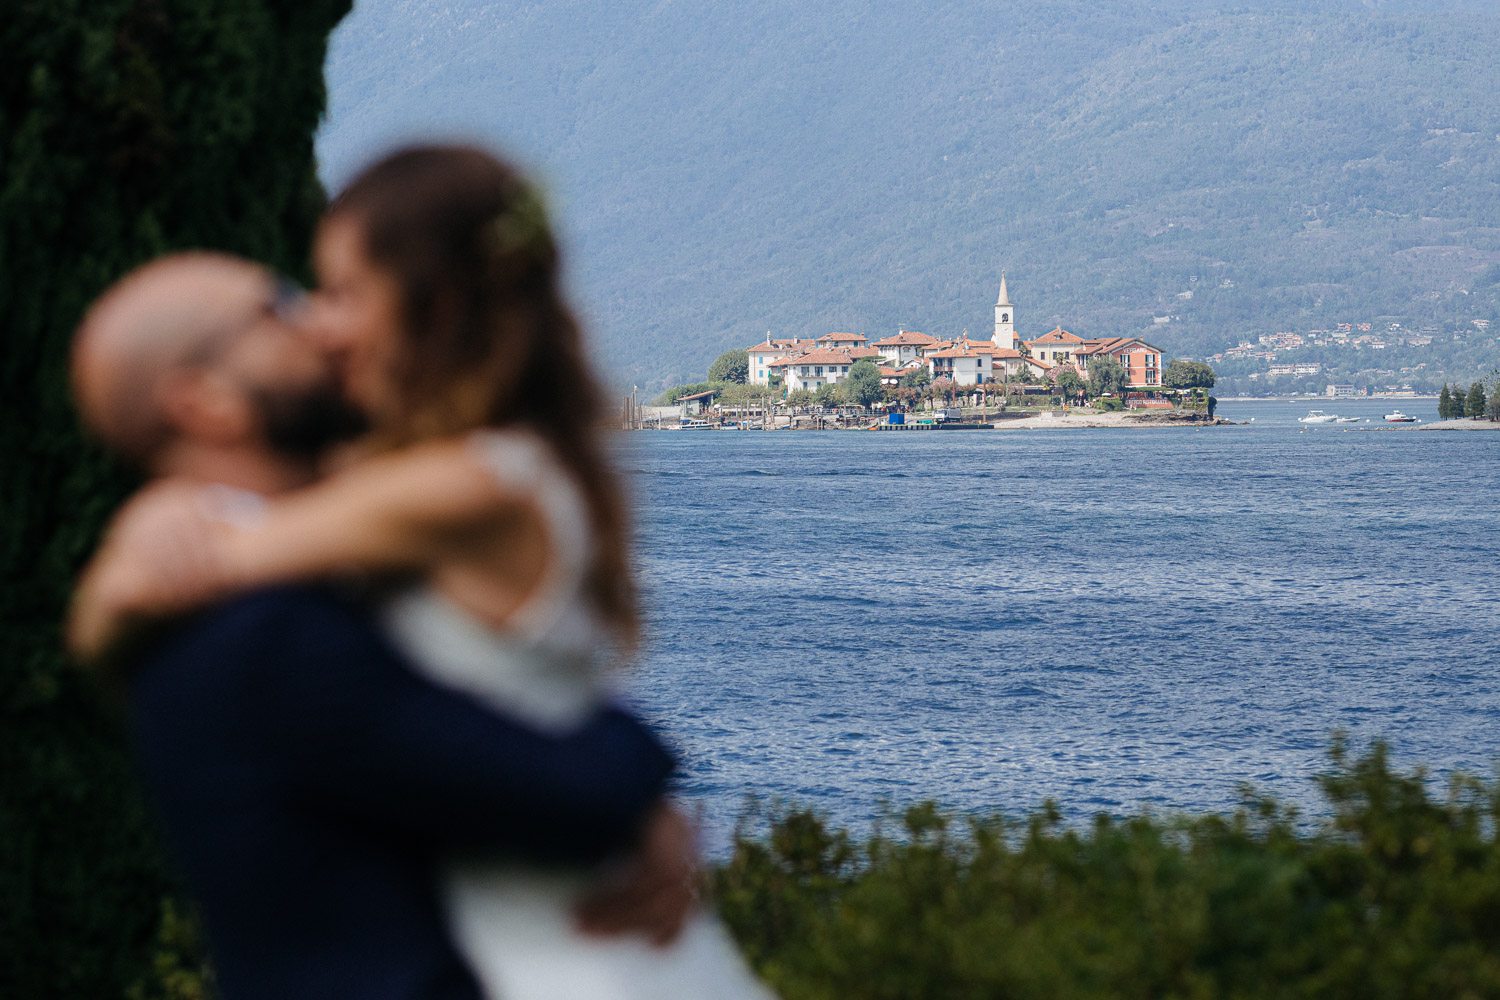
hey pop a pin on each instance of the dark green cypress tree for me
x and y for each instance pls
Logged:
(1474, 404)
(1445, 403)
(127, 128)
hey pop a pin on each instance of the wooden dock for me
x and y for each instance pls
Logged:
(947, 425)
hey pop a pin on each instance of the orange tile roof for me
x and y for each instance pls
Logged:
(843, 338)
(823, 356)
(907, 338)
(863, 352)
(962, 352)
(1057, 335)
(778, 344)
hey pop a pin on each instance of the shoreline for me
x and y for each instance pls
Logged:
(1462, 424)
(1383, 397)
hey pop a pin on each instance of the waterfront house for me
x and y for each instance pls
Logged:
(695, 404)
(966, 362)
(843, 340)
(763, 354)
(905, 346)
(1057, 345)
(1141, 362)
(817, 368)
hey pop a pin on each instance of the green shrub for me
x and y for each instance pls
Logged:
(1397, 894)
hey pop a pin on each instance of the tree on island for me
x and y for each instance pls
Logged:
(1106, 377)
(731, 366)
(1192, 377)
(1184, 374)
(1445, 403)
(1069, 384)
(799, 399)
(1492, 408)
(826, 394)
(919, 378)
(944, 388)
(862, 386)
(1474, 403)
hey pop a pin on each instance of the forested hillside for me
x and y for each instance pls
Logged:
(728, 169)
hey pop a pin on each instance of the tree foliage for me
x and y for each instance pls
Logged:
(1183, 374)
(1070, 385)
(1106, 377)
(127, 128)
(862, 385)
(1445, 403)
(1474, 402)
(669, 397)
(731, 366)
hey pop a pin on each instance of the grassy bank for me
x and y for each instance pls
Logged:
(1396, 894)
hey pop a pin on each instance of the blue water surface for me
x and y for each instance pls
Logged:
(1116, 619)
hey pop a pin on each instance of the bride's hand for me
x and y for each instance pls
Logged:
(658, 889)
(158, 558)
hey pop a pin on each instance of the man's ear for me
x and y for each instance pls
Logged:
(202, 405)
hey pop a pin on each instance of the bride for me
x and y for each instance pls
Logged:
(485, 490)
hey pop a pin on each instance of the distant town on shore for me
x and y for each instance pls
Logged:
(846, 379)
(913, 372)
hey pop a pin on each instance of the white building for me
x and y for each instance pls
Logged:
(966, 362)
(1005, 318)
(769, 350)
(815, 369)
(903, 347)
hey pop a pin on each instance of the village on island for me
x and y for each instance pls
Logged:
(914, 381)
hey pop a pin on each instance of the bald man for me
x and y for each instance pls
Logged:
(306, 778)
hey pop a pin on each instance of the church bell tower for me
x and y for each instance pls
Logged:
(1005, 318)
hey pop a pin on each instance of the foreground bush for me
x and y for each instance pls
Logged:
(1397, 894)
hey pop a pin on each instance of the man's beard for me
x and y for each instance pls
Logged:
(303, 423)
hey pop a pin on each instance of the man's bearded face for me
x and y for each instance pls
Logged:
(303, 422)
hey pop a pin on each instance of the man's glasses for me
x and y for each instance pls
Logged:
(287, 303)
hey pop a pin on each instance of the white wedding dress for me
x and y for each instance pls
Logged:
(514, 923)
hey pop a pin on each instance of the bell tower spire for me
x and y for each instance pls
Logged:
(1005, 318)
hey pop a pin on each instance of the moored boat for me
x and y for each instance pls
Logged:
(1318, 417)
(1397, 417)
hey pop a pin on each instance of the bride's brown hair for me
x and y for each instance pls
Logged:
(488, 340)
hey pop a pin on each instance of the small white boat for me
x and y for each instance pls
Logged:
(1397, 417)
(1346, 420)
(1318, 417)
(695, 425)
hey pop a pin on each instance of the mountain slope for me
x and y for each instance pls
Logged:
(724, 172)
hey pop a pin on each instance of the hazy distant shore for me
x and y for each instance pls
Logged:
(1318, 399)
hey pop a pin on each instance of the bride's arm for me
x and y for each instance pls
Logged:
(402, 511)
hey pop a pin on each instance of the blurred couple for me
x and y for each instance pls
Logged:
(366, 609)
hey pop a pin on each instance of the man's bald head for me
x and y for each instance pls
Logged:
(163, 316)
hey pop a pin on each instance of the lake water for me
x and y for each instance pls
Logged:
(1115, 619)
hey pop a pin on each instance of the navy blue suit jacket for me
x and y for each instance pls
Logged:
(308, 782)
